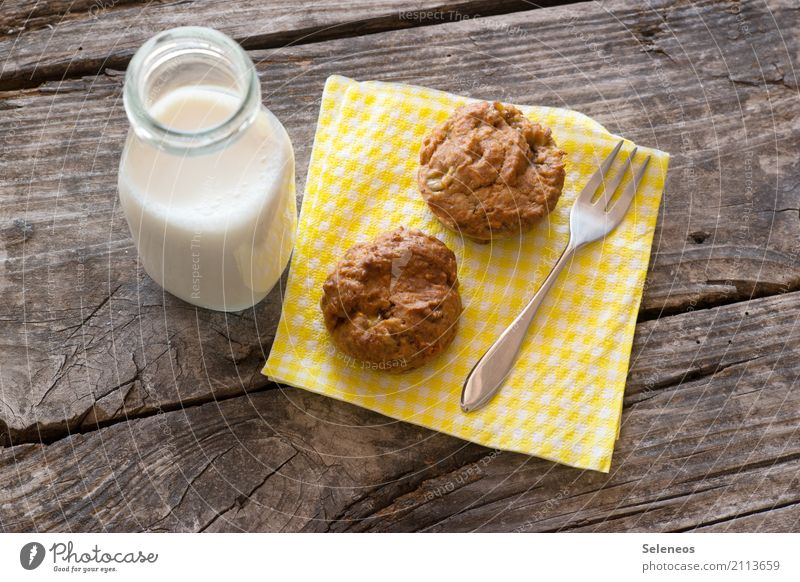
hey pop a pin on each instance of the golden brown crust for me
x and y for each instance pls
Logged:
(488, 172)
(393, 303)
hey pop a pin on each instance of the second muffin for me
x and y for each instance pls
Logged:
(488, 172)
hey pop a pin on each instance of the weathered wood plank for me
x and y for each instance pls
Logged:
(698, 454)
(65, 38)
(89, 338)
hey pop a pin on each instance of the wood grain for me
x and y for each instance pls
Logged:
(181, 432)
(66, 38)
(716, 451)
(96, 340)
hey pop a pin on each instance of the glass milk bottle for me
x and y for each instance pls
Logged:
(206, 178)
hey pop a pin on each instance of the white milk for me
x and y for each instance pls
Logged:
(215, 229)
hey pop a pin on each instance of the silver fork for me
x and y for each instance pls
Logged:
(589, 220)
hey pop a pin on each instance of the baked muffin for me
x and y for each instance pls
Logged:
(393, 303)
(488, 172)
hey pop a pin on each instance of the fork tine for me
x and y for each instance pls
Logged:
(618, 210)
(611, 187)
(594, 182)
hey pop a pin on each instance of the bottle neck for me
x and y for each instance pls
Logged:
(190, 57)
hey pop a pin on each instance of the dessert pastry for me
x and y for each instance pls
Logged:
(392, 303)
(488, 172)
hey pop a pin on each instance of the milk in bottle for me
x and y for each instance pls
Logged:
(206, 178)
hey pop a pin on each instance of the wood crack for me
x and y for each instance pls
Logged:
(421, 491)
(86, 319)
(767, 463)
(238, 501)
(39, 434)
(630, 510)
(190, 486)
(745, 291)
(395, 490)
(736, 516)
(692, 375)
(28, 79)
(42, 15)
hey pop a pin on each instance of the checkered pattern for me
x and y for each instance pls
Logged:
(563, 399)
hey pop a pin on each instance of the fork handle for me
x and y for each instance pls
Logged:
(491, 370)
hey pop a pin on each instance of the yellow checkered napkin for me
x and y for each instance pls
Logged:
(563, 399)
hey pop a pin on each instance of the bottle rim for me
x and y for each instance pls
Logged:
(181, 42)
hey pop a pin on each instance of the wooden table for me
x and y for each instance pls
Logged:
(123, 408)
